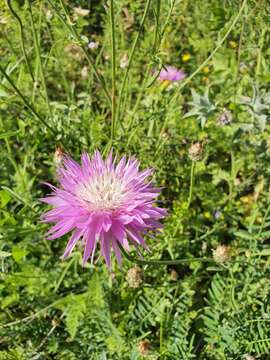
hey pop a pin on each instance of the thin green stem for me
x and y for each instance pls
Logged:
(21, 38)
(54, 47)
(192, 172)
(162, 262)
(205, 62)
(68, 23)
(63, 274)
(138, 100)
(113, 52)
(130, 58)
(38, 53)
(25, 101)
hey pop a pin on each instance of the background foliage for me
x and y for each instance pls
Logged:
(50, 96)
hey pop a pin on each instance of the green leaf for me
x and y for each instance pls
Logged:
(9, 134)
(4, 198)
(9, 300)
(265, 252)
(18, 253)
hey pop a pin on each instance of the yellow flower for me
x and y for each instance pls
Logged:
(186, 57)
(164, 84)
(206, 69)
(233, 44)
(207, 215)
(205, 79)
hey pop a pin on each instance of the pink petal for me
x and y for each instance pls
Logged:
(72, 242)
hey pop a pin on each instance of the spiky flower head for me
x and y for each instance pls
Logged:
(103, 203)
(195, 152)
(171, 73)
(222, 254)
(134, 277)
(144, 347)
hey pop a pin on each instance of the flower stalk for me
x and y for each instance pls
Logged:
(113, 52)
(155, 262)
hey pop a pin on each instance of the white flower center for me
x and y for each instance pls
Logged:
(103, 192)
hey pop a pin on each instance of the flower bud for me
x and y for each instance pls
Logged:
(93, 45)
(124, 61)
(221, 254)
(144, 347)
(174, 275)
(78, 11)
(58, 155)
(134, 277)
(195, 152)
(225, 117)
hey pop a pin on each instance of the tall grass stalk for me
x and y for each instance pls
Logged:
(130, 59)
(39, 60)
(113, 53)
(22, 39)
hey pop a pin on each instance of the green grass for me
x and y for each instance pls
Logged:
(56, 92)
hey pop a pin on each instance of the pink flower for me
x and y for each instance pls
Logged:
(171, 73)
(93, 45)
(103, 203)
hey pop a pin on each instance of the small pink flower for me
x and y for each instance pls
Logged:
(92, 45)
(171, 73)
(103, 203)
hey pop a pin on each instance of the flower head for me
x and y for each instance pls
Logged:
(222, 254)
(103, 203)
(225, 117)
(171, 73)
(195, 152)
(134, 277)
(186, 56)
(93, 45)
(124, 61)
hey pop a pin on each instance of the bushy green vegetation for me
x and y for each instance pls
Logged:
(207, 137)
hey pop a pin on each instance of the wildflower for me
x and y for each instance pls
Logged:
(205, 69)
(195, 152)
(221, 254)
(93, 45)
(128, 19)
(80, 11)
(225, 117)
(85, 72)
(144, 347)
(124, 61)
(134, 277)
(103, 203)
(217, 214)
(74, 51)
(171, 73)
(58, 155)
(48, 14)
(233, 44)
(186, 57)
(249, 357)
(205, 79)
(173, 275)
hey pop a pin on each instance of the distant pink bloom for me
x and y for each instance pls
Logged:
(171, 73)
(103, 203)
(93, 45)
